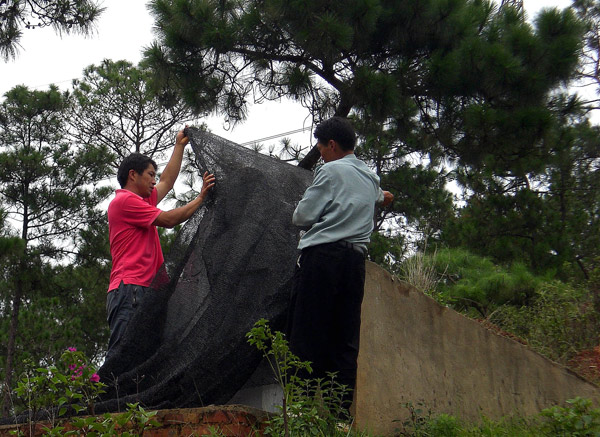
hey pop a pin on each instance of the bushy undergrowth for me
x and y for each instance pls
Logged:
(476, 286)
(555, 318)
(558, 323)
(576, 419)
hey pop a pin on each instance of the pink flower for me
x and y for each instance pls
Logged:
(72, 366)
(95, 378)
(72, 349)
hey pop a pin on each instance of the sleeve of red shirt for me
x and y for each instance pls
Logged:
(140, 212)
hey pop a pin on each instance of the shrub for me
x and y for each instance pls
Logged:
(310, 407)
(577, 419)
(72, 386)
(558, 322)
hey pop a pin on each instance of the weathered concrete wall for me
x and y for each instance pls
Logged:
(413, 349)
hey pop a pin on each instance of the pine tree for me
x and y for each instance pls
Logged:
(547, 218)
(65, 16)
(47, 188)
(116, 110)
(452, 79)
(457, 84)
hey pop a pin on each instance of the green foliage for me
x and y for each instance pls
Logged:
(51, 394)
(311, 407)
(69, 386)
(555, 318)
(475, 285)
(215, 431)
(577, 419)
(389, 40)
(116, 110)
(589, 12)
(168, 237)
(417, 421)
(546, 218)
(44, 177)
(67, 307)
(130, 423)
(274, 347)
(459, 79)
(559, 321)
(64, 16)
(387, 249)
(47, 186)
(505, 427)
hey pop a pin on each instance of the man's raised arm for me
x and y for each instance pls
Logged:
(171, 171)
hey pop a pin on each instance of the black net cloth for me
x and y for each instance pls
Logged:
(232, 264)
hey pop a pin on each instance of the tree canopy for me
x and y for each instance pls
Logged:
(65, 16)
(115, 109)
(458, 79)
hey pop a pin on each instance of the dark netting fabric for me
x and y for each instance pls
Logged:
(232, 264)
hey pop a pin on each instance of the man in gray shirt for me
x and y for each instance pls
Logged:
(338, 210)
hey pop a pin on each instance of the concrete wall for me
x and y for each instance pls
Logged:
(415, 350)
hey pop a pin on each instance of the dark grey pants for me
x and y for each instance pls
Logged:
(324, 317)
(120, 307)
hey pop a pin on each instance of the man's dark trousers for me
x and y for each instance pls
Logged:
(324, 318)
(121, 304)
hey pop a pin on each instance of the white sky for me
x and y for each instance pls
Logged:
(122, 32)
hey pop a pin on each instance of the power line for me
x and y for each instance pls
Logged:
(272, 137)
(247, 143)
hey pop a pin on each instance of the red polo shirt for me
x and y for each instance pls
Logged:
(134, 243)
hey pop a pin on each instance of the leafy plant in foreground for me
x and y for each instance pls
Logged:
(311, 407)
(49, 393)
(72, 386)
(577, 419)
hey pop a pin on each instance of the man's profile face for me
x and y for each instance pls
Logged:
(145, 182)
(326, 151)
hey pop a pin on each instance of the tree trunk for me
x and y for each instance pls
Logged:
(311, 158)
(14, 317)
(10, 349)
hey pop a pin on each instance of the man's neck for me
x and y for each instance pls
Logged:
(131, 190)
(343, 154)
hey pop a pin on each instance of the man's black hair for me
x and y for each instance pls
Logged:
(135, 161)
(338, 129)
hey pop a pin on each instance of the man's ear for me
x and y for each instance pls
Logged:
(131, 175)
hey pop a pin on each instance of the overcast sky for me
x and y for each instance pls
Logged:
(123, 30)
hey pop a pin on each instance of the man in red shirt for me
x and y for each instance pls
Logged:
(132, 220)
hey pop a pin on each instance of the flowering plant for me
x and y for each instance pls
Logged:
(48, 393)
(69, 384)
(84, 382)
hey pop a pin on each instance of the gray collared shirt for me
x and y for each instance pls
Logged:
(339, 204)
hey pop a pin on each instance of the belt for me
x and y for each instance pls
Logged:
(360, 249)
